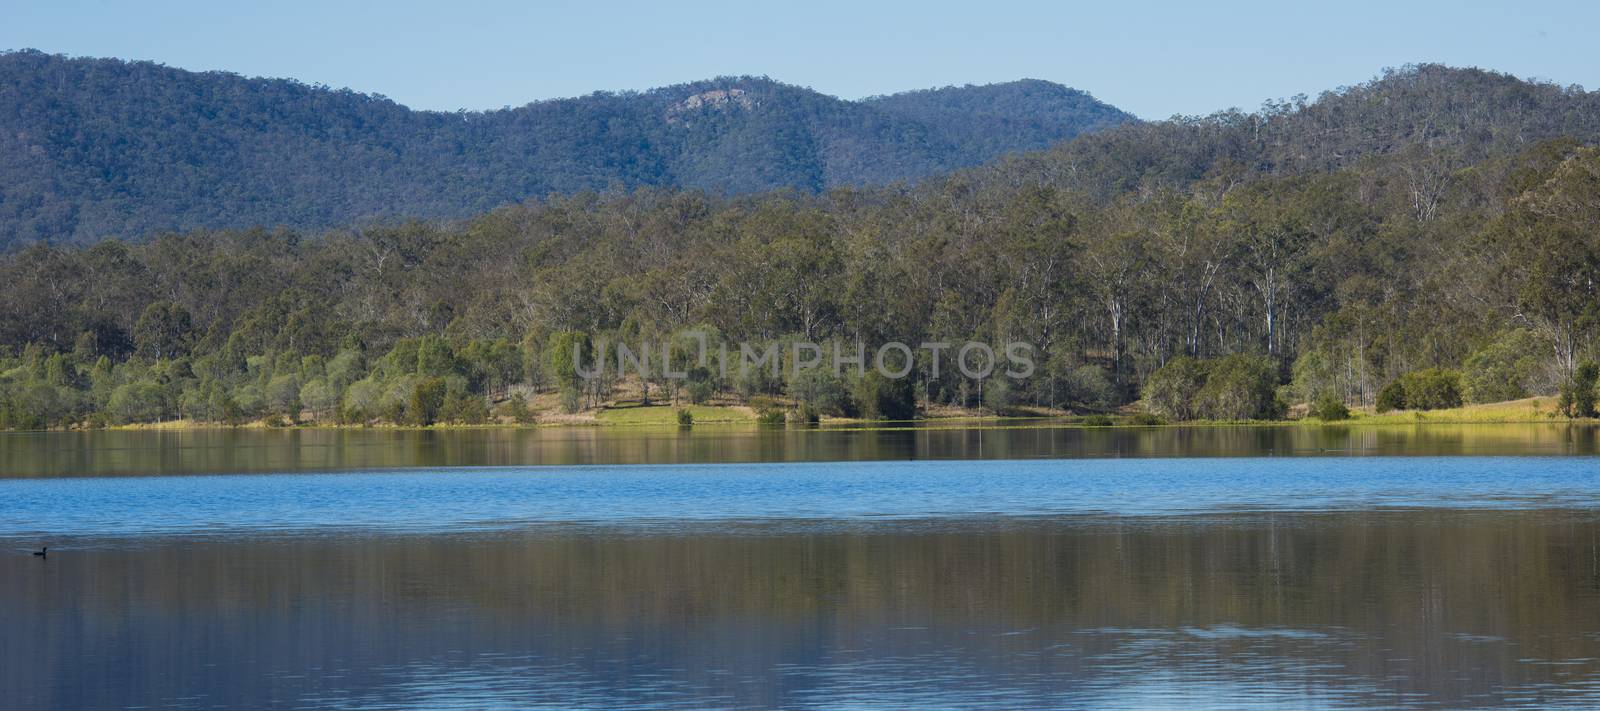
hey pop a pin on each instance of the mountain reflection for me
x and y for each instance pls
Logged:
(1380, 608)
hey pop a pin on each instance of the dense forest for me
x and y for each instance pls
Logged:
(1423, 240)
(98, 148)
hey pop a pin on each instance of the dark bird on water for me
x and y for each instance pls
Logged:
(41, 551)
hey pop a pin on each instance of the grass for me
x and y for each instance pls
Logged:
(630, 413)
(1533, 409)
(634, 414)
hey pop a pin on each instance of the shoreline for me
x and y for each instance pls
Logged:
(988, 423)
(662, 417)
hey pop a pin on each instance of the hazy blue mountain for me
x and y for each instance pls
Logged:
(95, 148)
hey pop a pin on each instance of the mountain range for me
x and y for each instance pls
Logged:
(97, 148)
(103, 148)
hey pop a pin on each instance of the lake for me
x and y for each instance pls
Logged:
(1359, 567)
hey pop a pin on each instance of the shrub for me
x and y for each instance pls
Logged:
(806, 415)
(1578, 393)
(883, 398)
(998, 396)
(1172, 390)
(571, 398)
(1145, 419)
(1240, 387)
(1235, 387)
(1329, 407)
(1090, 385)
(685, 417)
(1432, 389)
(821, 389)
(1097, 421)
(464, 408)
(770, 417)
(1392, 397)
(517, 409)
(699, 391)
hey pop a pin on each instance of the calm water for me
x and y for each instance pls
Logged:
(221, 451)
(1004, 568)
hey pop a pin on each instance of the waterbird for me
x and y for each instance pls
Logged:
(41, 552)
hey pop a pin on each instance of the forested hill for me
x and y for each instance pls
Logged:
(96, 148)
(1438, 119)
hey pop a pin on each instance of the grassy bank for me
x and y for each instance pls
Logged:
(1533, 409)
(634, 414)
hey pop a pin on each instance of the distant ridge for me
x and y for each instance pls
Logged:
(1455, 116)
(104, 148)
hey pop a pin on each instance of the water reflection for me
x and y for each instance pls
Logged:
(1441, 608)
(106, 453)
(797, 497)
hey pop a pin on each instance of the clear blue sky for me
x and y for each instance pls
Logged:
(1152, 58)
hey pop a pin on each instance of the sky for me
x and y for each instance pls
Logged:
(1155, 59)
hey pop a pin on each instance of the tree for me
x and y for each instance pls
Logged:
(1503, 369)
(320, 397)
(819, 388)
(1578, 394)
(427, 398)
(1329, 407)
(1173, 391)
(1392, 397)
(162, 331)
(883, 398)
(138, 401)
(1432, 389)
(1240, 387)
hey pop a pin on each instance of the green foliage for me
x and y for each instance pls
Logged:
(806, 415)
(821, 389)
(567, 353)
(999, 396)
(770, 417)
(1314, 374)
(1240, 387)
(138, 401)
(1097, 421)
(464, 408)
(685, 417)
(283, 396)
(700, 386)
(427, 399)
(1503, 369)
(1144, 259)
(883, 398)
(1392, 397)
(1579, 393)
(571, 398)
(162, 331)
(1235, 387)
(1329, 407)
(1173, 391)
(434, 357)
(516, 408)
(1091, 386)
(1432, 389)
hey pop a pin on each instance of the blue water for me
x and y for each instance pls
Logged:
(1195, 583)
(487, 499)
